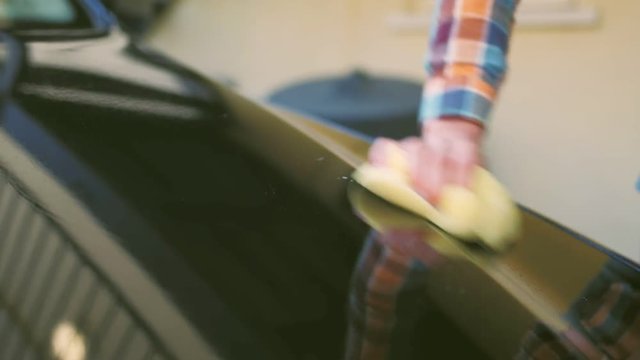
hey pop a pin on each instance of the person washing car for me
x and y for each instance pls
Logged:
(466, 65)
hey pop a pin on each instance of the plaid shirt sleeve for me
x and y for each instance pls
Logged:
(467, 58)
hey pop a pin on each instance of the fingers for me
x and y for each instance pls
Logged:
(411, 144)
(462, 161)
(378, 152)
(420, 174)
(433, 174)
(439, 164)
(437, 160)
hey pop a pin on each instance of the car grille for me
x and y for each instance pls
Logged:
(54, 303)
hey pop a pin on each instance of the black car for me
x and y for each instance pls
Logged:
(147, 212)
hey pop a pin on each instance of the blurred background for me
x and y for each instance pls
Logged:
(565, 136)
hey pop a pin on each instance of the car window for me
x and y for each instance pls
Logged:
(36, 13)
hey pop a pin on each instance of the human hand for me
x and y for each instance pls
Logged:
(447, 155)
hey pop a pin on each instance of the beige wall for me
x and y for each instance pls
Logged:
(258, 43)
(566, 133)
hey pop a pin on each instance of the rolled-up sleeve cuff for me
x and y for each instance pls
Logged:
(457, 103)
(442, 99)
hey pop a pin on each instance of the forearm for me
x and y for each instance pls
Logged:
(467, 58)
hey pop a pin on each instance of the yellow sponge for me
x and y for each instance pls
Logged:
(483, 212)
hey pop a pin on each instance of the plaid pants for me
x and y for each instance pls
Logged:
(606, 319)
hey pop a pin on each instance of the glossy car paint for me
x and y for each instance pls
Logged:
(245, 226)
(258, 266)
(223, 226)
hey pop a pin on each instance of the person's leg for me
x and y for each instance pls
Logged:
(389, 265)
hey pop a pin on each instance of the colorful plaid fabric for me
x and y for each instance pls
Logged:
(605, 319)
(605, 322)
(389, 265)
(542, 343)
(467, 58)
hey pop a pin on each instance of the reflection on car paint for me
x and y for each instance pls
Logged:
(68, 343)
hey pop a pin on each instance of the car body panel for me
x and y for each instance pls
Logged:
(211, 222)
(224, 224)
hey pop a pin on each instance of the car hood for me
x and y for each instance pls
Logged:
(238, 211)
(216, 197)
